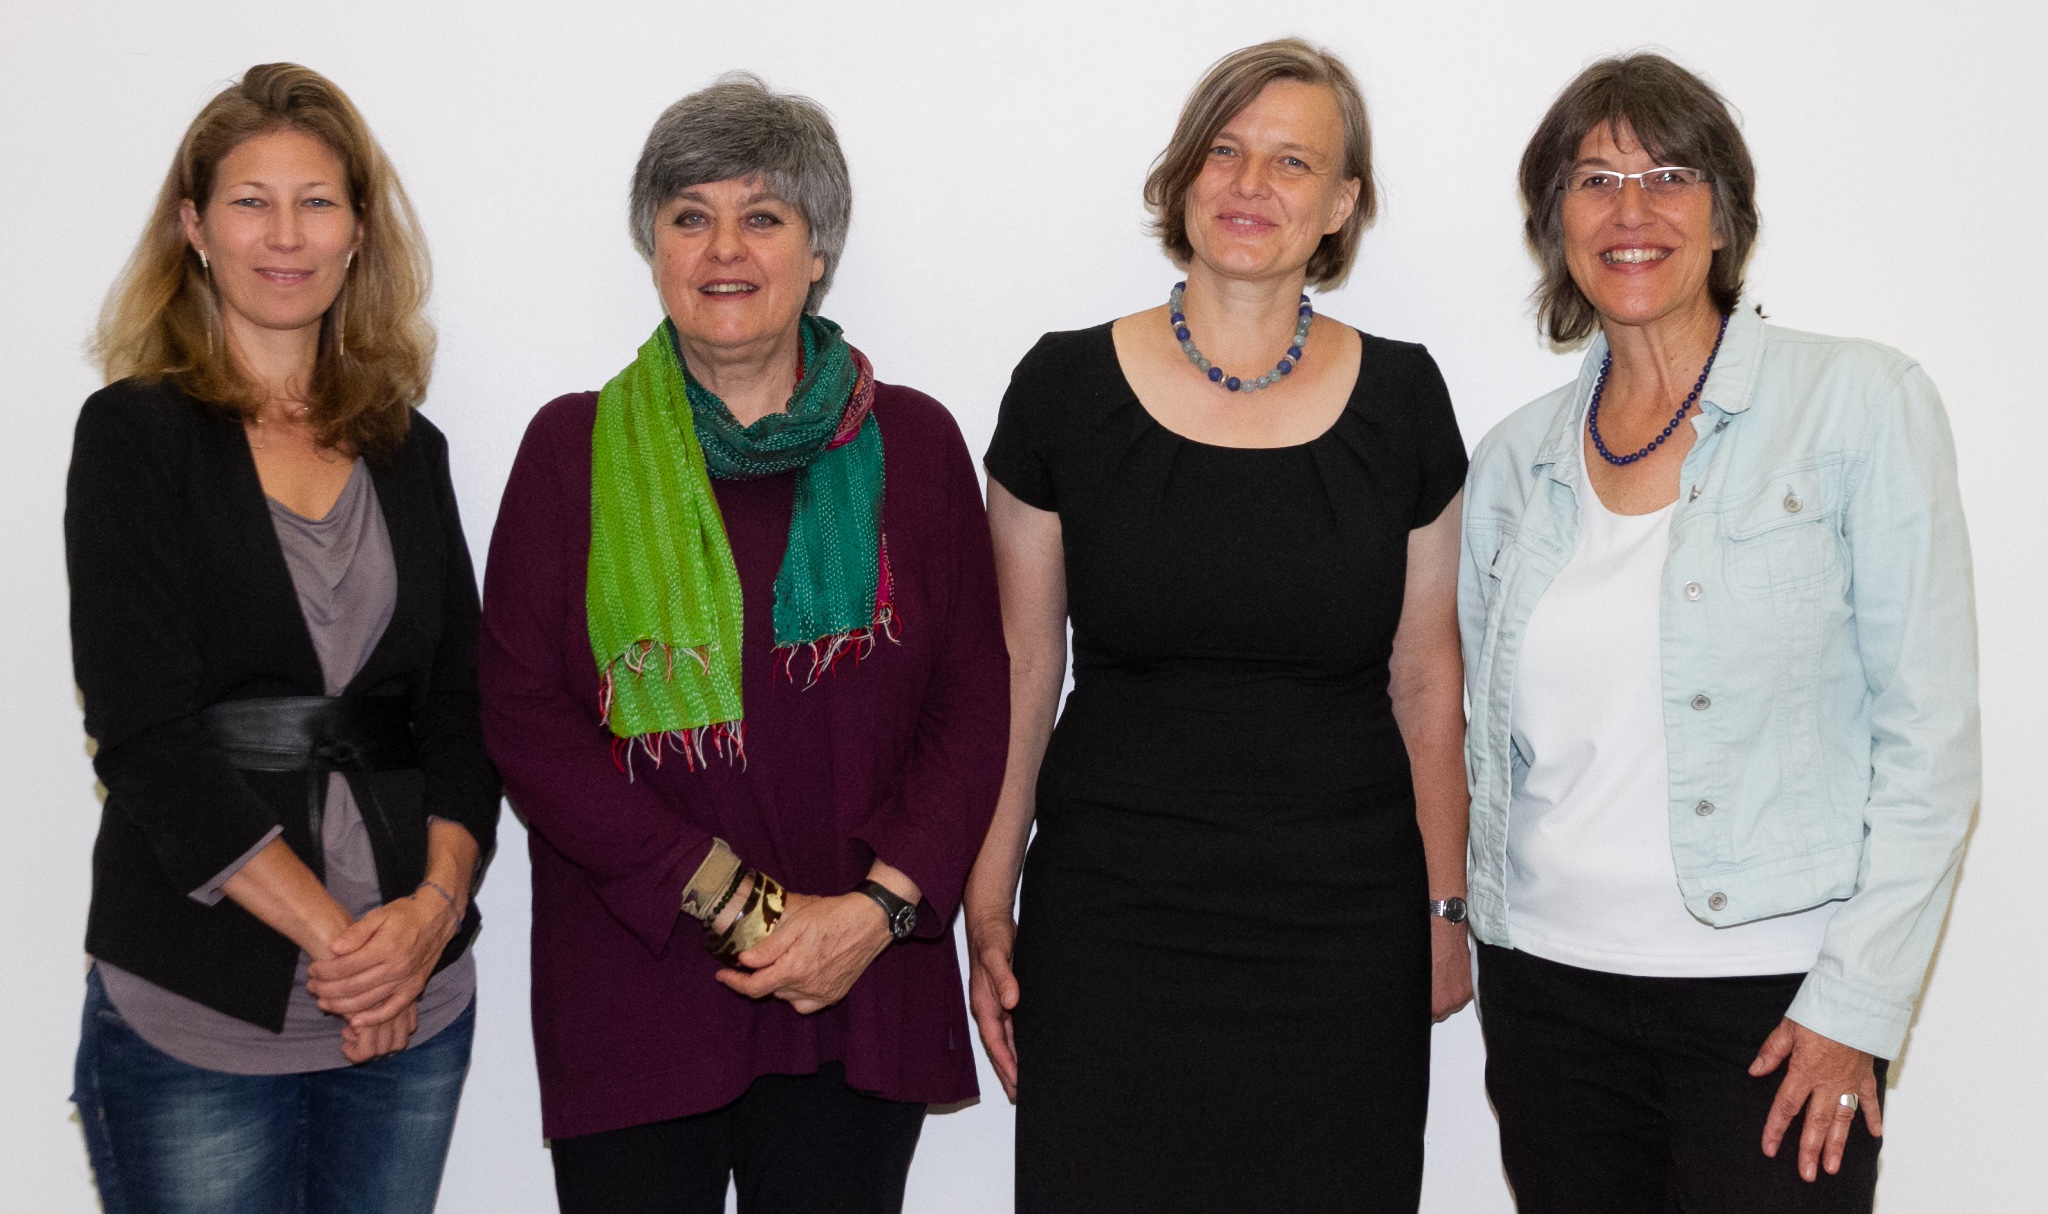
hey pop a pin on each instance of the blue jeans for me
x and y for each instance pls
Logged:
(168, 1138)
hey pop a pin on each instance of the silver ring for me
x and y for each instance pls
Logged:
(1849, 1102)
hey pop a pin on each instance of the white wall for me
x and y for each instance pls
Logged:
(997, 153)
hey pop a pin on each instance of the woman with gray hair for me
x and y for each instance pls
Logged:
(743, 666)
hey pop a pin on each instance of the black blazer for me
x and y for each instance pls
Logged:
(180, 598)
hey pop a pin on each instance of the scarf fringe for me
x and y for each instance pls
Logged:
(828, 651)
(725, 739)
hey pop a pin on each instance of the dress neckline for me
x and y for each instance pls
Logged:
(1350, 399)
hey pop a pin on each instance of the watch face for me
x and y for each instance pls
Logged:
(1454, 910)
(903, 922)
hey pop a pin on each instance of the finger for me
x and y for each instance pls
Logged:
(392, 1008)
(1008, 1071)
(1839, 1125)
(1776, 1048)
(1001, 978)
(757, 985)
(357, 934)
(343, 968)
(1873, 1105)
(1784, 1107)
(1820, 1118)
(994, 1025)
(359, 993)
(774, 947)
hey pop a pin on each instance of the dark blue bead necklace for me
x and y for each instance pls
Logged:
(1600, 386)
(1232, 383)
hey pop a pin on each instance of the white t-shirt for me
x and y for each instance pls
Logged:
(1591, 881)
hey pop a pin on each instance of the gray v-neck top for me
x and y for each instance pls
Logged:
(347, 584)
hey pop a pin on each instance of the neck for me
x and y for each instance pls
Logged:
(1241, 325)
(279, 360)
(1656, 363)
(754, 379)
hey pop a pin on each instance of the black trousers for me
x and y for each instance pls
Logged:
(794, 1144)
(1633, 1095)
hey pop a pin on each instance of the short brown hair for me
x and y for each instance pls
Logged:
(162, 319)
(1231, 84)
(1678, 118)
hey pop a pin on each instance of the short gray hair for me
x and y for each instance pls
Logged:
(738, 129)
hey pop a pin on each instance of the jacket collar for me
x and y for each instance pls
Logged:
(1728, 389)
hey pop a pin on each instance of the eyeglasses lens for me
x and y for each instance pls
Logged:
(1657, 183)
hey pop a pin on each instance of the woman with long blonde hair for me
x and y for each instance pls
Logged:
(273, 623)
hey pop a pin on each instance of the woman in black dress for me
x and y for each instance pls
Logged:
(1226, 967)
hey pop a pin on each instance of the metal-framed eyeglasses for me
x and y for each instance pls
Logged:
(1668, 181)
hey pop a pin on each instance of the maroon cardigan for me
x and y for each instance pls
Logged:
(900, 757)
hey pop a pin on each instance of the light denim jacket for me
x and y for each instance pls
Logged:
(1819, 653)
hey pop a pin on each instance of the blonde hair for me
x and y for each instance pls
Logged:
(1230, 85)
(162, 319)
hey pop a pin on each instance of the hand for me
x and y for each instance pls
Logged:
(815, 954)
(360, 1045)
(382, 962)
(1450, 964)
(992, 992)
(1820, 1073)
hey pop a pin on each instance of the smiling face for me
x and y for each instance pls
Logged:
(733, 263)
(277, 232)
(1638, 259)
(1272, 186)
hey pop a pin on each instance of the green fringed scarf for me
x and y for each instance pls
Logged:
(662, 585)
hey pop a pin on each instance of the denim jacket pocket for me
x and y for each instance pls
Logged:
(1786, 536)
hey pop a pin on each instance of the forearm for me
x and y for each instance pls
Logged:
(278, 888)
(1031, 572)
(1442, 802)
(1034, 697)
(451, 862)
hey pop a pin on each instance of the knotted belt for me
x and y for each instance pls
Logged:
(317, 735)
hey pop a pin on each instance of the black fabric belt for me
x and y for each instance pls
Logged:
(316, 735)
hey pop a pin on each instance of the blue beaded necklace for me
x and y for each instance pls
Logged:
(1232, 383)
(1600, 386)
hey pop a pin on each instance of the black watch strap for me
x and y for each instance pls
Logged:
(902, 915)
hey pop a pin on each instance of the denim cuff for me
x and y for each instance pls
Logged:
(1840, 1012)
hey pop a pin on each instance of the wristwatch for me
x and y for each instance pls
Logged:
(902, 915)
(1450, 910)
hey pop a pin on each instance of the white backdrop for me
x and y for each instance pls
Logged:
(997, 156)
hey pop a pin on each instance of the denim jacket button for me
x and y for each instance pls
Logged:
(1792, 504)
(1701, 703)
(1693, 591)
(1717, 902)
(1704, 808)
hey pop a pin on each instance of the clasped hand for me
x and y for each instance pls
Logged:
(821, 947)
(380, 965)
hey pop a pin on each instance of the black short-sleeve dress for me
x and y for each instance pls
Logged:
(1223, 946)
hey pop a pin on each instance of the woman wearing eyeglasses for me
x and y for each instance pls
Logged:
(1720, 647)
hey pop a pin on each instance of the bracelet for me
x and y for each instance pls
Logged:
(756, 922)
(448, 897)
(719, 871)
(739, 878)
